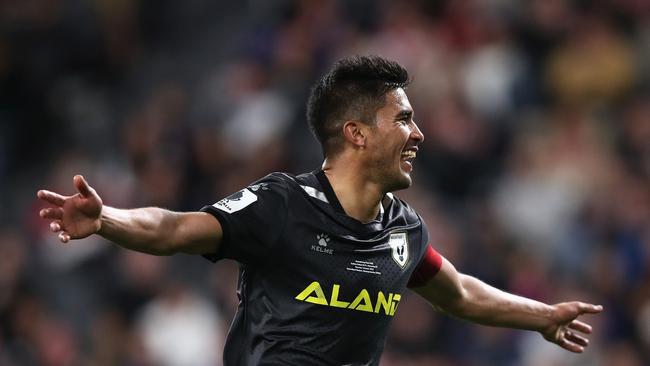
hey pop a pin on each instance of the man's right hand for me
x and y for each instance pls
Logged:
(76, 216)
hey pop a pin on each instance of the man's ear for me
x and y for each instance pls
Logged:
(354, 133)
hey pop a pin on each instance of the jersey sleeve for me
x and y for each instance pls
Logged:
(252, 220)
(429, 265)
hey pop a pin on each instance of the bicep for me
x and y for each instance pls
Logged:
(444, 289)
(197, 233)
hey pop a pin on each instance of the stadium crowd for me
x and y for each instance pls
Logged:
(534, 174)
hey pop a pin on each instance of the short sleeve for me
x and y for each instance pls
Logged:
(252, 220)
(429, 264)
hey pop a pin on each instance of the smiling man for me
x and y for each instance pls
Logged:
(325, 257)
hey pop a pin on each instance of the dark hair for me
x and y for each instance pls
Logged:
(353, 89)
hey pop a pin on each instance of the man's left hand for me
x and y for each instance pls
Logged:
(566, 330)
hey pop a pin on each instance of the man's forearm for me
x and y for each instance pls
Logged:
(484, 304)
(148, 230)
(468, 298)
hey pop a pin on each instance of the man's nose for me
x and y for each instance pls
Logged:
(416, 133)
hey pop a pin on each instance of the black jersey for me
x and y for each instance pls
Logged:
(316, 287)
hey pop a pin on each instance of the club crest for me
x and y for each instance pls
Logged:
(399, 247)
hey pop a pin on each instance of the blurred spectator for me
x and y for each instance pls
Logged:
(594, 65)
(180, 329)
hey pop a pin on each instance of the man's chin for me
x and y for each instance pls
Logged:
(402, 182)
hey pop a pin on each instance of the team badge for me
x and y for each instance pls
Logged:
(236, 201)
(399, 245)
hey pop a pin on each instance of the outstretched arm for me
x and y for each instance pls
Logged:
(469, 298)
(150, 230)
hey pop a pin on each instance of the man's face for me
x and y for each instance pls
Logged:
(392, 142)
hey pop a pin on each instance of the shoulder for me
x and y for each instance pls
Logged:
(287, 181)
(401, 209)
(275, 177)
(290, 179)
(280, 183)
(275, 181)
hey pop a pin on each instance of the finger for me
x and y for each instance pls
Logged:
(590, 308)
(51, 197)
(580, 326)
(56, 226)
(577, 339)
(82, 186)
(64, 237)
(570, 346)
(51, 213)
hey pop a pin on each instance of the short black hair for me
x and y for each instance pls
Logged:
(353, 89)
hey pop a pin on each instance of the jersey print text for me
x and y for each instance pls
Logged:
(386, 304)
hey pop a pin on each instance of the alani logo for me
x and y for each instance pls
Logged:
(383, 303)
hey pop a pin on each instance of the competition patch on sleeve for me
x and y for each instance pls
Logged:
(236, 201)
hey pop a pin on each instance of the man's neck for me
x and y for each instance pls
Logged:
(359, 197)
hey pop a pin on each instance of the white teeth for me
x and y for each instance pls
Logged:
(409, 154)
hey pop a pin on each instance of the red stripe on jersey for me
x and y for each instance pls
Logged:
(429, 266)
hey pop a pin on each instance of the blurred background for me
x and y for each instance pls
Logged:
(534, 176)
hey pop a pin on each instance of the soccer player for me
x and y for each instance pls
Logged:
(325, 257)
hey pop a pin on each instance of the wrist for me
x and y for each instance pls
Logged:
(549, 321)
(103, 220)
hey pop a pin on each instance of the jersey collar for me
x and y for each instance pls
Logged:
(329, 191)
(334, 201)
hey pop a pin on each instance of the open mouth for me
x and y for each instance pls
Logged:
(407, 158)
(409, 154)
